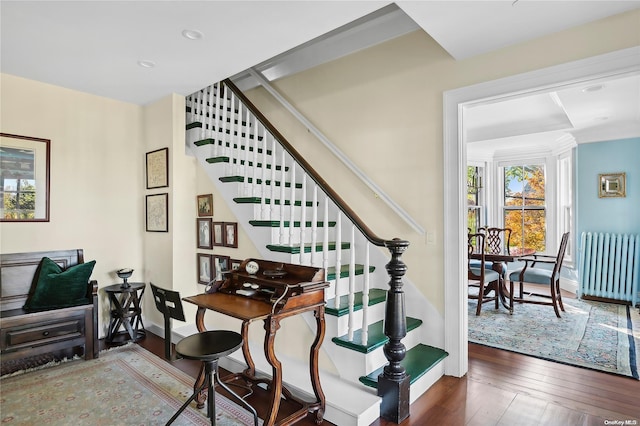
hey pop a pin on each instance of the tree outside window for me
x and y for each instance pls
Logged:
(525, 206)
(474, 184)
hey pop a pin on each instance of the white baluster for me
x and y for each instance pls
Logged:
(303, 218)
(314, 225)
(223, 124)
(265, 176)
(292, 203)
(211, 111)
(254, 169)
(325, 236)
(272, 185)
(230, 151)
(246, 143)
(283, 177)
(219, 111)
(352, 280)
(338, 258)
(365, 296)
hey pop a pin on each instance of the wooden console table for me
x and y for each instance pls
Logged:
(300, 289)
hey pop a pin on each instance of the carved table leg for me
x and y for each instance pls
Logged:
(313, 363)
(202, 397)
(271, 325)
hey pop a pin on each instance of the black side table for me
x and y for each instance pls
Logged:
(125, 312)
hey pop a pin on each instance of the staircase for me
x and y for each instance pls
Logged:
(293, 216)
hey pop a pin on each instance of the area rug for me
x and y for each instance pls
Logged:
(124, 386)
(595, 335)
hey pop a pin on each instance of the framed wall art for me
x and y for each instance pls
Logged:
(158, 168)
(24, 178)
(157, 210)
(203, 226)
(205, 268)
(612, 185)
(218, 233)
(220, 265)
(235, 264)
(231, 234)
(205, 205)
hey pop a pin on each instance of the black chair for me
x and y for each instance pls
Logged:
(207, 346)
(548, 276)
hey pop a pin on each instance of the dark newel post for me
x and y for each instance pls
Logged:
(393, 383)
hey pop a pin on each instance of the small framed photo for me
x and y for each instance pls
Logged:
(218, 233)
(612, 185)
(158, 168)
(221, 264)
(203, 226)
(231, 234)
(205, 268)
(205, 205)
(157, 212)
(235, 264)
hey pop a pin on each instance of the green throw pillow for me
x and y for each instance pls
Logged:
(56, 288)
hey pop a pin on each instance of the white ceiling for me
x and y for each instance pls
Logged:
(95, 46)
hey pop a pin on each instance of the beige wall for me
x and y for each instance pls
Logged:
(383, 108)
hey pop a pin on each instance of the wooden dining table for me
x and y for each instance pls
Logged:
(497, 260)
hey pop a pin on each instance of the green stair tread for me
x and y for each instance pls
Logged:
(416, 362)
(344, 271)
(234, 179)
(307, 247)
(286, 223)
(212, 141)
(225, 159)
(375, 339)
(376, 295)
(258, 200)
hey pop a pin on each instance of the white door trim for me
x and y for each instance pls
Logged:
(455, 155)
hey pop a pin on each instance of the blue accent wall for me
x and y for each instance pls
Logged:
(616, 215)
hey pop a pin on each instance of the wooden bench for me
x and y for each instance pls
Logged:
(56, 331)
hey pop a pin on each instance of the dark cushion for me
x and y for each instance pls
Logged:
(56, 288)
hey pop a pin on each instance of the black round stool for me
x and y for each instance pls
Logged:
(208, 347)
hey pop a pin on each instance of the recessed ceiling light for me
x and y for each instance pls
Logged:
(593, 88)
(192, 34)
(146, 64)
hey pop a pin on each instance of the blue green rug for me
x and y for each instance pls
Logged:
(595, 335)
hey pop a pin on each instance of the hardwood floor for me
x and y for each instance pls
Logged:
(502, 388)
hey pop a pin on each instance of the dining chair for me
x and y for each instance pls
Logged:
(497, 241)
(486, 280)
(546, 274)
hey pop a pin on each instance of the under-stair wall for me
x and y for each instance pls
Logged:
(292, 216)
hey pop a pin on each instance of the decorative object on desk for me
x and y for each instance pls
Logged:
(235, 264)
(218, 233)
(158, 168)
(612, 185)
(203, 226)
(596, 335)
(27, 158)
(153, 392)
(251, 267)
(205, 268)
(205, 205)
(125, 274)
(158, 212)
(230, 234)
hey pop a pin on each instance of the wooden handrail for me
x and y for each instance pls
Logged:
(366, 231)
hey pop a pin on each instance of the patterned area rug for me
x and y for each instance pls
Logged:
(596, 335)
(124, 386)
